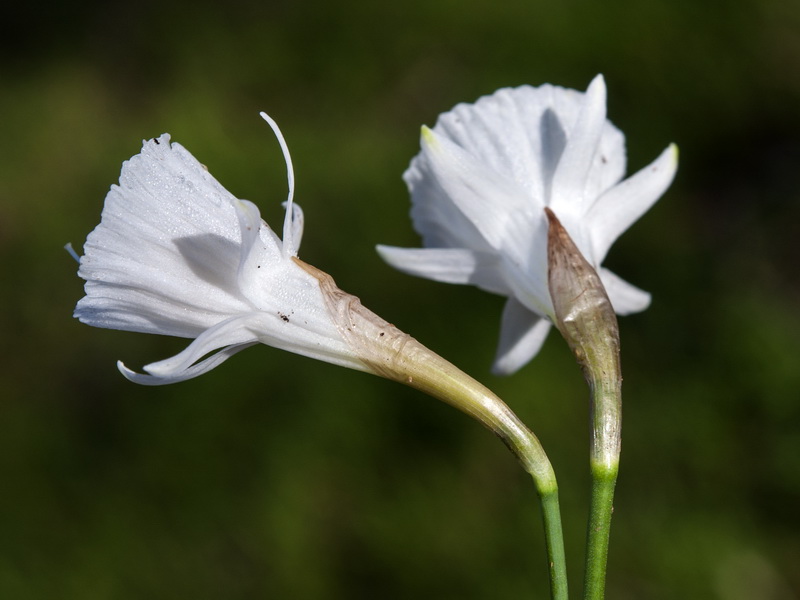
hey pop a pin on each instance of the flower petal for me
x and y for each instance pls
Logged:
(622, 205)
(436, 218)
(496, 206)
(448, 265)
(128, 309)
(569, 182)
(260, 248)
(241, 329)
(315, 336)
(479, 186)
(190, 373)
(521, 133)
(497, 129)
(522, 333)
(625, 298)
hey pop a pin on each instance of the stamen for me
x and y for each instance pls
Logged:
(288, 242)
(72, 252)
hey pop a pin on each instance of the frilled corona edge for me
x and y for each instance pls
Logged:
(479, 187)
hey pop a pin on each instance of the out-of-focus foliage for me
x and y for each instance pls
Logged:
(278, 477)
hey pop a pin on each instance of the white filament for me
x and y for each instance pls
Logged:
(288, 241)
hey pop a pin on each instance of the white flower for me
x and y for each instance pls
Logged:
(480, 185)
(176, 254)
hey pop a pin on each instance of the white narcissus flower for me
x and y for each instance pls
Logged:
(177, 254)
(481, 182)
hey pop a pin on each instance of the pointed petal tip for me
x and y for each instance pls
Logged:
(673, 148)
(249, 215)
(139, 378)
(498, 371)
(597, 88)
(599, 80)
(383, 250)
(626, 298)
(393, 255)
(427, 136)
(504, 366)
(124, 370)
(522, 334)
(668, 160)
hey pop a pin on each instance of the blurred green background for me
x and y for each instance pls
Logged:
(278, 477)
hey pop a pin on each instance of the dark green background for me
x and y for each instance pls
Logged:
(275, 476)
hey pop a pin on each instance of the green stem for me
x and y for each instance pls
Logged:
(554, 540)
(604, 478)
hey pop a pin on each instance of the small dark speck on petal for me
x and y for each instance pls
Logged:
(156, 141)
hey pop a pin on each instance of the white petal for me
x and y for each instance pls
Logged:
(231, 332)
(260, 250)
(189, 373)
(625, 298)
(501, 132)
(522, 333)
(128, 309)
(301, 332)
(448, 265)
(496, 206)
(437, 219)
(292, 312)
(519, 133)
(622, 205)
(569, 182)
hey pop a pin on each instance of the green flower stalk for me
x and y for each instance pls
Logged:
(586, 319)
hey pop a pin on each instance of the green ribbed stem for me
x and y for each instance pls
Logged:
(604, 479)
(554, 540)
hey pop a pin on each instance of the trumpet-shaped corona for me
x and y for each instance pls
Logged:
(175, 253)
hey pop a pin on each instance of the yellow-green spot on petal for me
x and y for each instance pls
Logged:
(428, 137)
